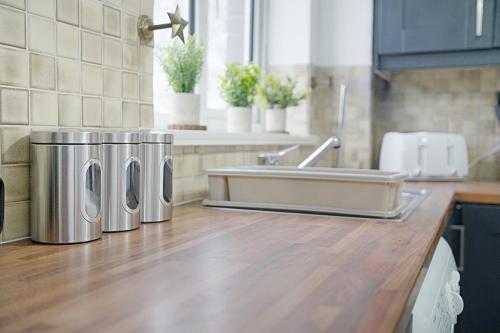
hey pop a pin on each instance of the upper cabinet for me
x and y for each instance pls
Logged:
(436, 33)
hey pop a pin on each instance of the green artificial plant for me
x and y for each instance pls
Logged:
(239, 84)
(274, 92)
(182, 63)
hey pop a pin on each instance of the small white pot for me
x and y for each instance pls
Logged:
(239, 119)
(275, 120)
(183, 109)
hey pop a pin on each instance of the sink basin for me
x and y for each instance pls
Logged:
(352, 192)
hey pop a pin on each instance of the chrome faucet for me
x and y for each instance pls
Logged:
(274, 157)
(334, 142)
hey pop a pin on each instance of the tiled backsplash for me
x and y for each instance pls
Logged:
(67, 63)
(455, 100)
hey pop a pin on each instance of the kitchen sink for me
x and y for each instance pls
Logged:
(331, 191)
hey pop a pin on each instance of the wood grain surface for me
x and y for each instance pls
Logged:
(214, 270)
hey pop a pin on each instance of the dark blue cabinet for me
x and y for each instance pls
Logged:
(473, 232)
(435, 33)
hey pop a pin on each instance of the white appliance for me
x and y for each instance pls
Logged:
(439, 302)
(425, 155)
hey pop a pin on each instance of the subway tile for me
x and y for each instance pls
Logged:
(129, 28)
(146, 59)
(146, 88)
(92, 111)
(14, 107)
(70, 110)
(147, 116)
(130, 88)
(112, 113)
(67, 11)
(15, 145)
(130, 57)
(130, 115)
(17, 183)
(112, 83)
(68, 41)
(13, 67)
(68, 75)
(12, 27)
(17, 221)
(42, 72)
(91, 47)
(112, 52)
(131, 6)
(45, 8)
(43, 108)
(112, 21)
(14, 3)
(91, 15)
(91, 79)
(147, 7)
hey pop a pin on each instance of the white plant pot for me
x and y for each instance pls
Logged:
(239, 119)
(275, 120)
(183, 108)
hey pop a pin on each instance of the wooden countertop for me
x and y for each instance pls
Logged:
(212, 270)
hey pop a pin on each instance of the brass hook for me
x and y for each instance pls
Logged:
(145, 26)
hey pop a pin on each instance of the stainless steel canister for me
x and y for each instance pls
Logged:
(121, 189)
(65, 186)
(156, 184)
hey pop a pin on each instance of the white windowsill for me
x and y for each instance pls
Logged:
(204, 138)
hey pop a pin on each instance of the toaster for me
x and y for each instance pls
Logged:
(425, 155)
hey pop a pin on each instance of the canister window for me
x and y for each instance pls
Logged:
(167, 180)
(132, 184)
(92, 194)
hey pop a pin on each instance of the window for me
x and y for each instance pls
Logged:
(226, 28)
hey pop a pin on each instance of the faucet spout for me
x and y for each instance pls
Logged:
(331, 143)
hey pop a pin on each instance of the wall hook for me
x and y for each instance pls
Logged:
(145, 26)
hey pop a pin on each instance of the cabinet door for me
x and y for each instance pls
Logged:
(416, 26)
(481, 275)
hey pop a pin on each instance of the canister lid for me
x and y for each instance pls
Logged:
(120, 137)
(78, 137)
(156, 137)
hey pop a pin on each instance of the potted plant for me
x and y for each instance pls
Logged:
(238, 88)
(182, 64)
(277, 96)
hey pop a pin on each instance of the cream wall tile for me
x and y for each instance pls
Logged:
(17, 183)
(91, 15)
(12, 27)
(112, 83)
(13, 67)
(130, 57)
(147, 116)
(91, 47)
(130, 86)
(14, 106)
(91, 79)
(42, 72)
(112, 116)
(15, 145)
(112, 21)
(17, 221)
(112, 52)
(68, 41)
(70, 111)
(14, 3)
(146, 88)
(67, 11)
(92, 112)
(116, 3)
(146, 59)
(130, 115)
(147, 7)
(131, 6)
(43, 7)
(129, 27)
(68, 75)
(43, 108)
